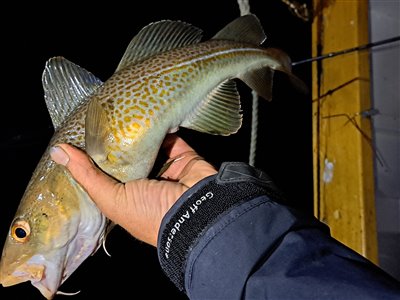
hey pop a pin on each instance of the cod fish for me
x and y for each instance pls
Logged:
(167, 78)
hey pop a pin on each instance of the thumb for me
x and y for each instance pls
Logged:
(100, 187)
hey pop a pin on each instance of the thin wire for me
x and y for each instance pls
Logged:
(358, 48)
(244, 8)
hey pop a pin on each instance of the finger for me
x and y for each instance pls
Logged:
(153, 198)
(182, 165)
(174, 145)
(102, 188)
(173, 168)
(196, 170)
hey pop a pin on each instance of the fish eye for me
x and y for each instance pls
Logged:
(20, 230)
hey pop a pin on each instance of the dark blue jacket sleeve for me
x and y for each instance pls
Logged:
(232, 237)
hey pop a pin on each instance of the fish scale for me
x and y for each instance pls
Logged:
(143, 101)
(166, 79)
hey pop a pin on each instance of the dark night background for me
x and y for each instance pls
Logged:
(95, 37)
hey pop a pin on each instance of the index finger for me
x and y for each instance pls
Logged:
(182, 161)
(174, 145)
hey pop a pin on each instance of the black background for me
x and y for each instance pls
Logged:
(95, 37)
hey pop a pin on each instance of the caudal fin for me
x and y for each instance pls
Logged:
(261, 80)
(248, 29)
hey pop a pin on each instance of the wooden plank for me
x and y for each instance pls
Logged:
(342, 149)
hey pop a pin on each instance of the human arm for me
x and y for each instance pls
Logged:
(236, 238)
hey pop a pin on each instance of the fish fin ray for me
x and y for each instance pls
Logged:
(97, 131)
(261, 81)
(66, 86)
(158, 37)
(246, 28)
(286, 69)
(295, 81)
(299, 84)
(220, 113)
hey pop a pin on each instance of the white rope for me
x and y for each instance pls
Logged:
(244, 8)
(254, 127)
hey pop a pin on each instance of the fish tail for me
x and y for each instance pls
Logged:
(261, 79)
(248, 29)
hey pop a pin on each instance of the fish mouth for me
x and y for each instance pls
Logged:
(31, 273)
(34, 272)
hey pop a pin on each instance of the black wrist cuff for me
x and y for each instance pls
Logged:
(201, 206)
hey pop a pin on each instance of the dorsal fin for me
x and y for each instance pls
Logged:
(220, 113)
(246, 29)
(66, 86)
(158, 37)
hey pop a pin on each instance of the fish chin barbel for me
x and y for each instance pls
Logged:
(167, 78)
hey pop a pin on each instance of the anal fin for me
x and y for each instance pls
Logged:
(219, 113)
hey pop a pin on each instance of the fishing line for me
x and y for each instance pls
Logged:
(341, 52)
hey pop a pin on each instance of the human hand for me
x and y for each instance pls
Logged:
(138, 205)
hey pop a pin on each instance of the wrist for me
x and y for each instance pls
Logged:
(200, 207)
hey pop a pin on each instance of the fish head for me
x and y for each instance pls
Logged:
(56, 227)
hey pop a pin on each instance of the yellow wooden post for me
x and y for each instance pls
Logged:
(343, 154)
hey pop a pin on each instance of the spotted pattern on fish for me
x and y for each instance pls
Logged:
(139, 96)
(124, 121)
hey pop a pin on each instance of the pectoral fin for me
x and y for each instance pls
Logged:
(97, 132)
